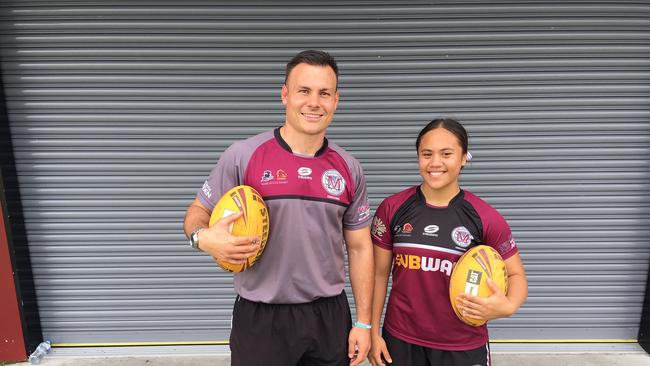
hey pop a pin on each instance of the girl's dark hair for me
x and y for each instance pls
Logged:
(312, 57)
(448, 124)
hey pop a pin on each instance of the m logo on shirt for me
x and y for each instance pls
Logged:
(461, 236)
(333, 182)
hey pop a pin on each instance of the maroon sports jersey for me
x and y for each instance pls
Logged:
(311, 199)
(426, 241)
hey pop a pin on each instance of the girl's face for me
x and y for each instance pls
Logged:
(440, 158)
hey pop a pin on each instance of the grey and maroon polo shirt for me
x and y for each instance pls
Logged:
(311, 200)
(426, 241)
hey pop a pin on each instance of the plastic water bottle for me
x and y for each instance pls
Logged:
(37, 356)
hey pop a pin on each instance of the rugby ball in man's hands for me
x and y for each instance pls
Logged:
(254, 221)
(470, 275)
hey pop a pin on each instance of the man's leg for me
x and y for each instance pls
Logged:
(327, 323)
(264, 335)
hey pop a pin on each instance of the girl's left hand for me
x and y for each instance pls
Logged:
(488, 308)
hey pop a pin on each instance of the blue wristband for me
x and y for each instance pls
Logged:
(362, 325)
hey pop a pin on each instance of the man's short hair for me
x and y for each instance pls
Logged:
(312, 57)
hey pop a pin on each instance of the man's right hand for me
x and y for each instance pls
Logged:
(220, 244)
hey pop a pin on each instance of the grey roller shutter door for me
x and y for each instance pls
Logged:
(118, 110)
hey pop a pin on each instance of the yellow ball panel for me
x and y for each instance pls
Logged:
(254, 222)
(470, 275)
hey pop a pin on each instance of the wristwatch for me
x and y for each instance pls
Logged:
(194, 238)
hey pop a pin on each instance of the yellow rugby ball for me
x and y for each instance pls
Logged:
(470, 275)
(254, 221)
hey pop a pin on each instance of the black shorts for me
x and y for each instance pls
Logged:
(404, 353)
(314, 333)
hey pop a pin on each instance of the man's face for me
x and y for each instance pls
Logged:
(310, 97)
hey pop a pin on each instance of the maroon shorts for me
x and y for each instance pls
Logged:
(314, 333)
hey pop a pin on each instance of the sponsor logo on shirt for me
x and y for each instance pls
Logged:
(422, 263)
(207, 190)
(506, 246)
(363, 211)
(304, 173)
(404, 230)
(431, 230)
(378, 227)
(267, 176)
(333, 182)
(461, 236)
(269, 179)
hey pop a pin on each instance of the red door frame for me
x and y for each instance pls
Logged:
(12, 344)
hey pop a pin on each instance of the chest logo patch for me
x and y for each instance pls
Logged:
(304, 171)
(333, 182)
(404, 230)
(431, 230)
(267, 176)
(461, 236)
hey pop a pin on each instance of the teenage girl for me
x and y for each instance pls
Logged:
(420, 233)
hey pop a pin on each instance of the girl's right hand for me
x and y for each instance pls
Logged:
(379, 355)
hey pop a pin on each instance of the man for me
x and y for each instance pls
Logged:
(291, 308)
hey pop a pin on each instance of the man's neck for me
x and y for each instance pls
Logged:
(301, 143)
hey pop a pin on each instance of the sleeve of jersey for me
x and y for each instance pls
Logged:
(225, 175)
(380, 232)
(498, 235)
(357, 215)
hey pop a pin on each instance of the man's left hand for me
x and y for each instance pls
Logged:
(358, 345)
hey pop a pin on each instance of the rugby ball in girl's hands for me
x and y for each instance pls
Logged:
(254, 221)
(470, 275)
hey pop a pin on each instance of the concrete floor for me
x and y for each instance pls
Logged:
(498, 360)
(517, 355)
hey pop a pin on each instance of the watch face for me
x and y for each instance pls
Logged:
(194, 239)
